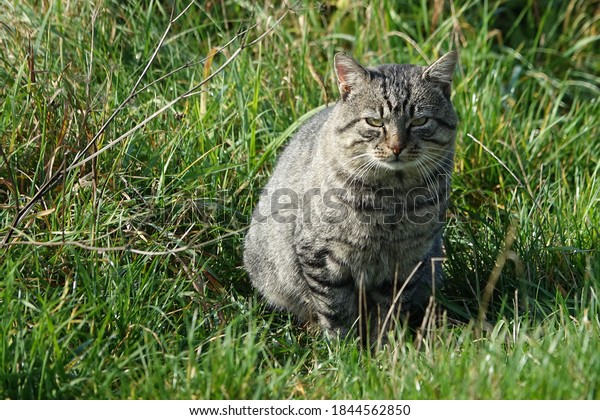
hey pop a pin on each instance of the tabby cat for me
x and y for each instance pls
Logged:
(348, 231)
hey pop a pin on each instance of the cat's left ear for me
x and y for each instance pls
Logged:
(349, 73)
(441, 71)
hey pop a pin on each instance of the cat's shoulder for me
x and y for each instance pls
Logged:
(318, 120)
(310, 130)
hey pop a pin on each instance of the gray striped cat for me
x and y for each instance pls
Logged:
(348, 231)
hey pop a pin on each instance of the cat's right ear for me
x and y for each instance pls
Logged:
(349, 73)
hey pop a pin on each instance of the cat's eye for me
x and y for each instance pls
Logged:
(418, 122)
(374, 122)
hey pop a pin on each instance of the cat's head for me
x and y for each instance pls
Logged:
(394, 117)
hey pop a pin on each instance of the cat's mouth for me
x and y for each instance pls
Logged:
(393, 164)
(396, 163)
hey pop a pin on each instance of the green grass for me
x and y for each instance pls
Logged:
(125, 280)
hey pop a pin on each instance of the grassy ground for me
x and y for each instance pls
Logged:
(123, 278)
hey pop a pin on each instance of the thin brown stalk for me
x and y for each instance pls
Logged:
(395, 302)
(495, 274)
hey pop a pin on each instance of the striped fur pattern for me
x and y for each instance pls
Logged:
(348, 231)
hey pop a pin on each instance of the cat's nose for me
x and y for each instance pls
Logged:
(395, 144)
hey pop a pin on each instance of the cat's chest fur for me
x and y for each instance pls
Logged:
(370, 237)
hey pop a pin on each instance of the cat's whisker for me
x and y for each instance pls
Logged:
(426, 176)
(434, 161)
(344, 163)
(436, 166)
(360, 172)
